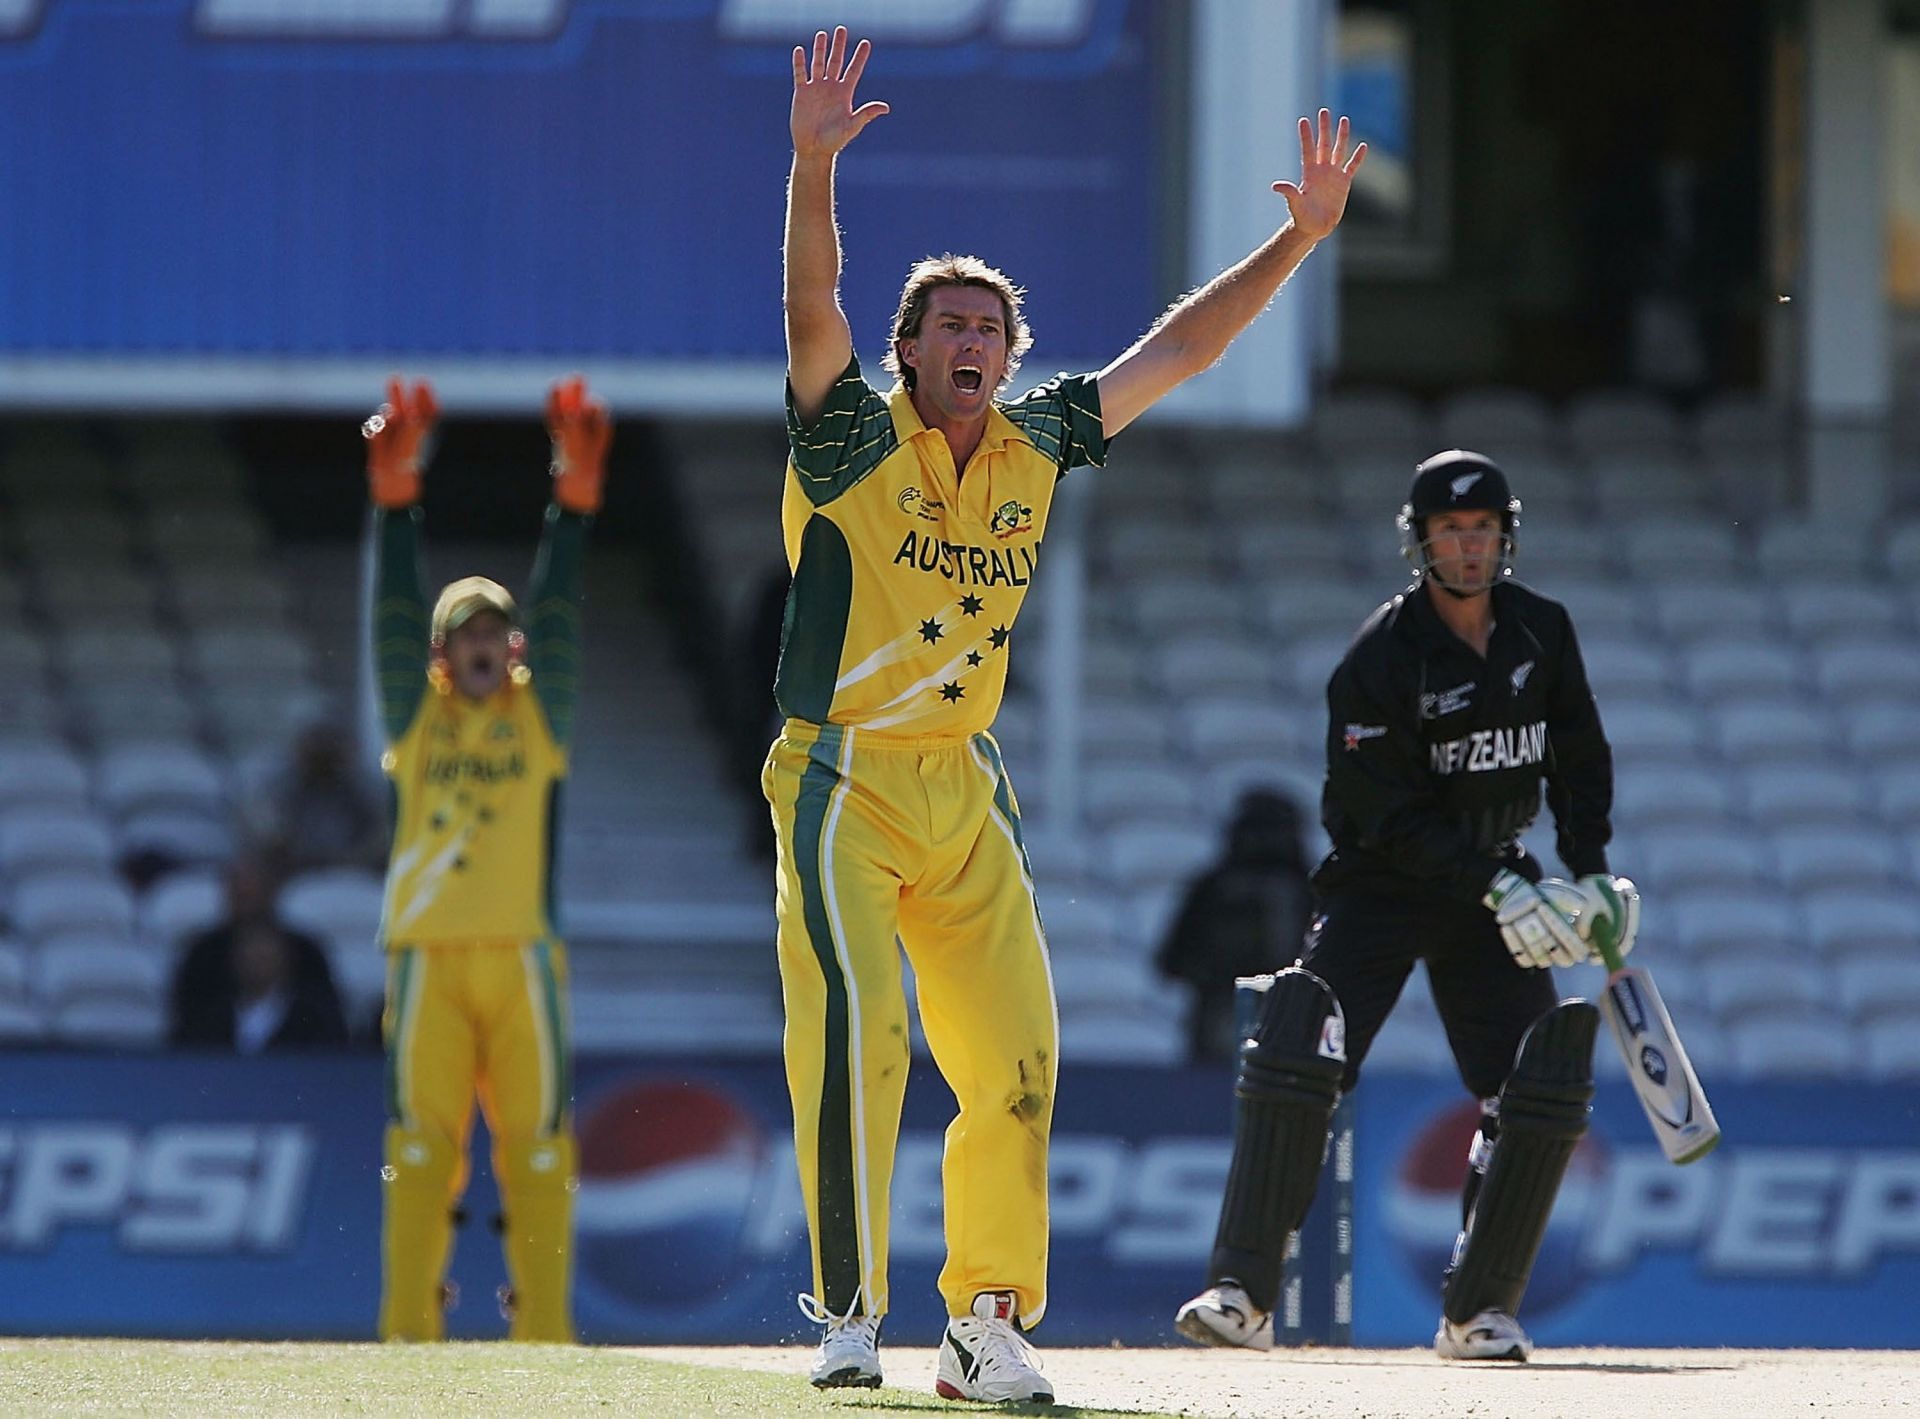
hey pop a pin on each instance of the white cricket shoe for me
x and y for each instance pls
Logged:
(1491, 1335)
(985, 1356)
(849, 1355)
(1224, 1315)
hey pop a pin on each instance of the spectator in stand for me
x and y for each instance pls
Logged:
(1244, 916)
(252, 984)
(316, 808)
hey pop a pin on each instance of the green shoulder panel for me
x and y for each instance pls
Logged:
(1062, 418)
(400, 618)
(847, 442)
(553, 622)
(814, 631)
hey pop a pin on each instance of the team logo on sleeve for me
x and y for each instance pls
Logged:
(1358, 733)
(1011, 518)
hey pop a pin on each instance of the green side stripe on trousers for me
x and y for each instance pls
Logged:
(403, 966)
(839, 1219)
(557, 1034)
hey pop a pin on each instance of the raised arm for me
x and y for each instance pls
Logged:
(396, 437)
(582, 432)
(824, 120)
(1196, 329)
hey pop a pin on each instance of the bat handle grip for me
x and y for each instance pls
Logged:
(1601, 934)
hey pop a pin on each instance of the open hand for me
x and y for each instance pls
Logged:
(396, 436)
(824, 119)
(582, 431)
(1328, 161)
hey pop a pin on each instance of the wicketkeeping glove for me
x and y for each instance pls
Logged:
(396, 436)
(582, 432)
(1537, 934)
(1613, 900)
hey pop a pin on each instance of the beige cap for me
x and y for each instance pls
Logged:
(462, 599)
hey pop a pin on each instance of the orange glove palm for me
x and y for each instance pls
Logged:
(582, 431)
(396, 436)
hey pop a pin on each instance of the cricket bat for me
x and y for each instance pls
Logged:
(1657, 1063)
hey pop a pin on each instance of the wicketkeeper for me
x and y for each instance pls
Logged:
(478, 706)
(1458, 699)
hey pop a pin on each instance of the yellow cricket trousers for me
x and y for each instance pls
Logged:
(883, 837)
(467, 1020)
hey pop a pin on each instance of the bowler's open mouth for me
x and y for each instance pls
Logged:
(967, 378)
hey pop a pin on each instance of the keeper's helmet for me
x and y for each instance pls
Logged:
(1458, 481)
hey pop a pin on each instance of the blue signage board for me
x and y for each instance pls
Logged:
(576, 179)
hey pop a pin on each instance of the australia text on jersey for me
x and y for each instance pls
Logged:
(966, 564)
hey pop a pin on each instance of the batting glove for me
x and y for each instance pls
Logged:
(582, 432)
(1612, 906)
(1537, 935)
(396, 438)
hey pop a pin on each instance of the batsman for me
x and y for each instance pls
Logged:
(1456, 702)
(478, 707)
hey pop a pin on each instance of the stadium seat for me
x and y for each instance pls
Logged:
(1869, 665)
(1648, 482)
(214, 594)
(1709, 922)
(215, 534)
(1794, 794)
(15, 971)
(1622, 419)
(1890, 1046)
(1130, 548)
(1294, 551)
(1103, 980)
(1742, 422)
(1498, 421)
(1883, 730)
(1790, 549)
(1766, 980)
(133, 713)
(1151, 1036)
(1122, 790)
(1875, 985)
(1308, 663)
(340, 905)
(1599, 608)
(86, 963)
(1115, 727)
(180, 905)
(1699, 855)
(1297, 608)
(1549, 552)
(1763, 731)
(171, 838)
(1620, 665)
(83, 530)
(1383, 420)
(1901, 555)
(1897, 788)
(1079, 921)
(159, 775)
(1203, 664)
(1235, 726)
(1814, 858)
(21, 1023)
(1790, 1043)
(1717, 670)
(226, 655)
(1684, 548)
(1643, 731)
(1299, 779)
(1703, 610)
(1858, 922)
(1656, 795)
(1841, 610)
(108, 1021)
(50, 903)
(1170, 607)
(40, 771)
(1140, 855)
(128, 657)
(44, 838)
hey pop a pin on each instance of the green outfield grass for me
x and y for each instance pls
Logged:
(202, 1378)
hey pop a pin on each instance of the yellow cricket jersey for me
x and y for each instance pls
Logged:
(907, 578)
(475, 786)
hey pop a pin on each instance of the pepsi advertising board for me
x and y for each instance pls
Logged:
(196, 1196)
(309, 183)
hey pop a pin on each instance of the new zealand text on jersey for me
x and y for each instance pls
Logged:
(968, 565)
(1487, 749)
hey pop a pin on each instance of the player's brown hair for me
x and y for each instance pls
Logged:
(935, 272)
